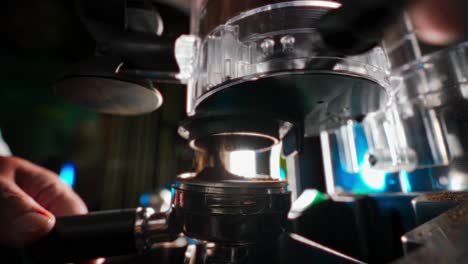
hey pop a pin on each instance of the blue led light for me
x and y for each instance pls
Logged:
(282, 173)
(67, 173)
(374, 179)
(145, 199)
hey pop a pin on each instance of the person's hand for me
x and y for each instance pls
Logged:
(30, 197)
(438, 22)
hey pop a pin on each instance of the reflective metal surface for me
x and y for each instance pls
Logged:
(441, 240)
(109, 96)
(232, 212)
(152, 228)
(98, 84)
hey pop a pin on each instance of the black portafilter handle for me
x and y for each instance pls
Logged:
(104, 234)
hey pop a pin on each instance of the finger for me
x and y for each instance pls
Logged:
(47, 189)
(437, 22)
(23, 220)
(29, 196)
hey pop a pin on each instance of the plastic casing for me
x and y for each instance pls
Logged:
(420, 141)
(431, 105)
(236, 41)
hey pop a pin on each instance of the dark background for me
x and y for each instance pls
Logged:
(117, 158)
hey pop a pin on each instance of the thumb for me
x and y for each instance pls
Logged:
(25, 219)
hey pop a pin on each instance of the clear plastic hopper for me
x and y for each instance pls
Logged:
(250, 39)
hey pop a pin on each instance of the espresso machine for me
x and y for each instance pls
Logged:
(345, 84)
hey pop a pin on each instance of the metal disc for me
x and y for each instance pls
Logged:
(110, 96)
